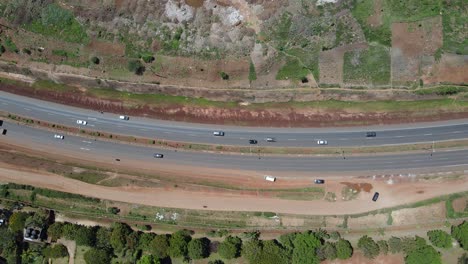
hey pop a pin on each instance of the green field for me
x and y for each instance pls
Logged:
(371, 66)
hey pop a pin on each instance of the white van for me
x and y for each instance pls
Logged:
(270, 178)
(123, 117)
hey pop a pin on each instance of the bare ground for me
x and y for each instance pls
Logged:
(275, 117)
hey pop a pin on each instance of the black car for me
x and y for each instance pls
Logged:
(376, 196)
(158, 155)
(253, 141)
(319, 181)
(1, 122)
(3, 131)
(371, 134)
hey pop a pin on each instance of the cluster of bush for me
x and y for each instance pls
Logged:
(121, 242)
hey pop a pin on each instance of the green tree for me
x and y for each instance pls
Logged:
(368, 247)
(344, 250)
(148, 259)
(199, 248)
(327, 251)
(230, 248)
(440, 238)
(460, 233)
(305, 245)
(85, 236)
(423, 255)
(224, 75)
(159, 246)
(54, 231)
(144, 242)
(217, 261)
(56, 251)
(252, 250)
(132, 241)
(252, 72)
(272, 252)
(97, 256)
(410, 244)
(287, 240)
(178, 244)
(383, 246)
(103, 238)
(118, 238)
(17, 221)
(9, 245)
(394, 244)
(32, 256)
(2, 49)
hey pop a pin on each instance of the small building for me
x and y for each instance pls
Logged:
(32, 234)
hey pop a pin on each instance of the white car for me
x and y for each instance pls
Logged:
(218, 133)
(81, 122)
(270, 139)
(59, 136)
(124, 117)
(322, 142)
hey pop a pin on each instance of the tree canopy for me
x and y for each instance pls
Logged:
(423, 255)
(159, 246)
(368, 246)
(305, 245)
(440, 238)
(97, 256)
(230, 248)
(460, 233)
(118, 238)
(178, 244)
(199, 248)
(344, 250)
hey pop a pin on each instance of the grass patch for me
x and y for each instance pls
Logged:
(306, 194)
(92, 177)
(348, 193)
(79, 254)
(59, 23)
(371, 66)
(156, 99)
(454, 21)
(382, 34)
(451, 213)
(413, 10)
(292, 70)
(64, 53)
(252, 72)
(52, 86)
(10, 45)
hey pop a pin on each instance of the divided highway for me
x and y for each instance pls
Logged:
(196, 133)
(109, 151)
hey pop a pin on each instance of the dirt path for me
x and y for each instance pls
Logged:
(391, 195)
(71, 248)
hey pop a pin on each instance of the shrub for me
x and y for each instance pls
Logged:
(57, 251)
(230, 247)
(440, 238)
(224, 75)
(95, 60)
(136, 67)
(199, 248)
(368, 247)
(97, 256)
(147, 57)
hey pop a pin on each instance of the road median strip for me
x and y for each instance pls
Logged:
(428, 147)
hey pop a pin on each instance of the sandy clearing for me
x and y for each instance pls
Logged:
(229, 202)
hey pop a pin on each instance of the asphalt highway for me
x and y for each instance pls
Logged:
(196, 133)
(107, 150)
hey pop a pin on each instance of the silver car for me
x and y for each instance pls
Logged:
(322, 142)
(57, 136)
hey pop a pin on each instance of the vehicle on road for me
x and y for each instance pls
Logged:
(319, 181)
(218, 133)
(124, 117)
(253, 141)
(59, 136)
(322, 142)
(81, 122)
(158, 155)
(270, 178)
(371, 134)
(375, 197)
(4, 131)
(1, 122)
(270, 139)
